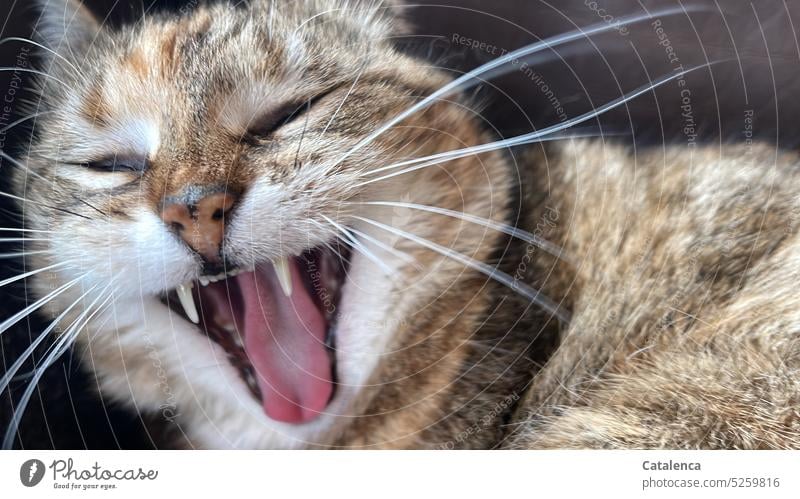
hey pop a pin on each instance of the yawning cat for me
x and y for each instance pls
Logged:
(267, 227)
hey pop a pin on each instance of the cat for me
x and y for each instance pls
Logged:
(247, 227)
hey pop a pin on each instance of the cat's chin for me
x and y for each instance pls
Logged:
(276, 325)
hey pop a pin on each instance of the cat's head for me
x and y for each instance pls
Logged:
(217, 171)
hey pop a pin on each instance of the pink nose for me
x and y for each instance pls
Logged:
(201, 224)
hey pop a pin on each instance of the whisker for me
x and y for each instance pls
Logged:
(491, 146)
(327, 244)
(456, 84)
(91, 338)
(534, 295)
(540, 135)
(86, 203)
(56, 208)
(25, 168)
(533, 239)
(356, 245)
(403, 256)
(334, 250)
(34, 272)
(22, 239)
(12, 229)
(49, 181)
(349, 91)
(436, 159)
(302, 135)
(22, 120)
(34, 71)
(23, 253)
(532, 60)
(399, 254)
(12, 371)
(59, 348)
(43, 47)
(37, 304)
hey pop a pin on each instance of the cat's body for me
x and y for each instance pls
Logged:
(685, 329)
(428, 352)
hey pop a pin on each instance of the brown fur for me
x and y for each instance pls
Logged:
(683, 331)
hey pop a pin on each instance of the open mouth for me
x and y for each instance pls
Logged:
(276, 323)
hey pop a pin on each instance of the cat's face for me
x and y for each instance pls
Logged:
(204, 171)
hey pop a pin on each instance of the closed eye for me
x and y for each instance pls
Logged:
(282, 116)
(117, 164)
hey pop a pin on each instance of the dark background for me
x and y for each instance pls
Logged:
(761, 76)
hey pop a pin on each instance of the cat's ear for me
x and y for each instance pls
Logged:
(66, 26)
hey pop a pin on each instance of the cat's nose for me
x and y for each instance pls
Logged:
(200, 221)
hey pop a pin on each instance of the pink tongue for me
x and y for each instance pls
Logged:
(284, 338)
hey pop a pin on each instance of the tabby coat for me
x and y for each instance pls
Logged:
(676, 264)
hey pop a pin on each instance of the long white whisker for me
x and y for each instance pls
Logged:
(22, 120)
(11, 229)
(52, 182)
(349, 91)
(491, 146)
(12, 371)
(504, 228)
(528, 138)
(23, 253)
(352, 241)
(22, 239)
(456, 84)
(542, 134)
(36, 72)
(48, 49)
(99, 330)
(25, 168)
(24, 200)
(493, 273)
(37, 304)
(377, 242)
(531, 60)
(58, 350)
(33, 272)
(327, 244)
(399, 254)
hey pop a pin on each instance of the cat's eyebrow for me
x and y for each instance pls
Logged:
(140, 135)
(253, 111)
(130, 137)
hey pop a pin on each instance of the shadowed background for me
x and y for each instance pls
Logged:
(752, 95)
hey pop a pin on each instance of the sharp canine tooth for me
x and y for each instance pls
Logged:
(204, 281)
(187, 301)
(284, 274)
